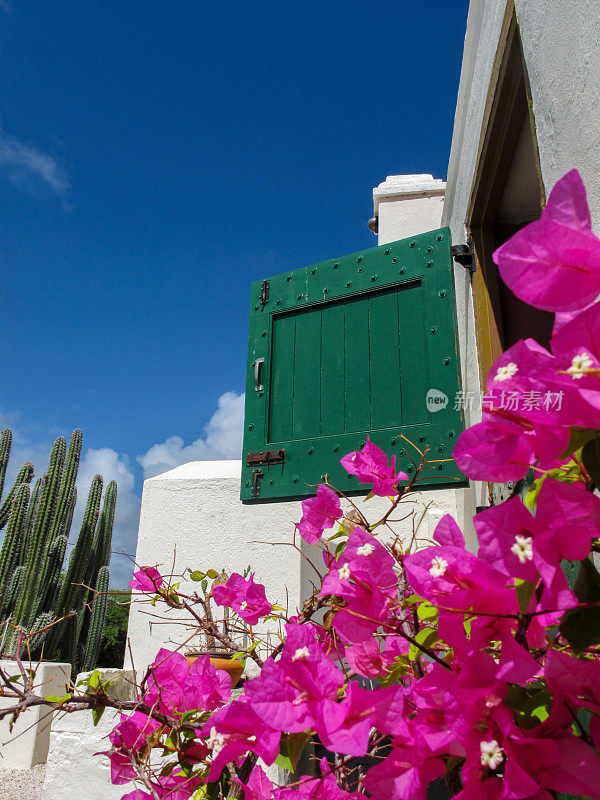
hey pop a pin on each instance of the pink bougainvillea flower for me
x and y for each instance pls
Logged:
(503, 446)
(363, 575)
(246, 598)
(235, 729)
(573, 679)
(554, 263)
(454, 580)
(133, 730)
(344, 727)
(405, 774)
(514, 541)
(365, 659)
(147, 579)
(176, 687)
(259, 787)
(121, 768)
(318, 514)
(288, 693)
(370, 465)
(523, 418)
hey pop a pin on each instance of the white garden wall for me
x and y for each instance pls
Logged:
(27, 744)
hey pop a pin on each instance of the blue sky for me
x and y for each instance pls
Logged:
(155, 158)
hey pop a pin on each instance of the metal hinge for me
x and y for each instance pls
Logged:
(264, 458)
(264, 293)
(464, 254)
(257, 474)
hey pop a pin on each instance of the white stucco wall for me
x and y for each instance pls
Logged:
(561, 46)
(407, 205)
(27, 744)
(73, 771)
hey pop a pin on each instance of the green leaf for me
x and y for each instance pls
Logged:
(426, 638)
(578, 437)
(427, 611)
(399, 668)
(97, 714)
(568, 473)
(284, 762)
(530, 704)
(414, 598)
(94, 679)
(54, 698)
(581, 626)
(587, 585)
(196, 575)
(212, 574)
(525, 590)
(339, 549)
(590, 455)
(295, 745)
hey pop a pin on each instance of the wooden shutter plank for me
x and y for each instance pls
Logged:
(333, 370)
(282, 378)
(413, 354)
(356, 350)
(384, 367)
(307, 375)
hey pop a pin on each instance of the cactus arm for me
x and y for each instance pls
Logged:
(13, 538)
(67, 486)
(38, 540)
(24, 475)
(98, 616)
(5, 443)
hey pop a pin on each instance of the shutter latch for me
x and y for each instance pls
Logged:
(264, 293)
(264, 458)
(464, 254)
(257, 474)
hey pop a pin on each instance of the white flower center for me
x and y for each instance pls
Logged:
(506, 372)
(365, 550)
(301, 653)
(243, 605)
(523, 548)
(491, 754)
(215, 741)
(344, 573)
(579, 364)
(438, 567)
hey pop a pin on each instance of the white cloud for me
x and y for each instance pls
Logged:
(112, 466)
(222, 440)
(24, 164)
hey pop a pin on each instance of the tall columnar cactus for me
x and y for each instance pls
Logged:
(61, 609)
(98, 614)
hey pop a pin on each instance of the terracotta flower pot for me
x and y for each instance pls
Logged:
(222, 660)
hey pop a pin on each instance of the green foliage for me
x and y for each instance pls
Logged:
(54, 607)
(590, 455)
(114, 635)
(581, 625)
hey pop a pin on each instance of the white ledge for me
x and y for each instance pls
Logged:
(201, 470)
(407, 186)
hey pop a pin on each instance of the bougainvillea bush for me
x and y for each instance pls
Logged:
(414, 660)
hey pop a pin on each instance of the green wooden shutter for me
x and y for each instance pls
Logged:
(347, 348)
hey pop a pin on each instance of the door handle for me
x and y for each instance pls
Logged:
(257, 365)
